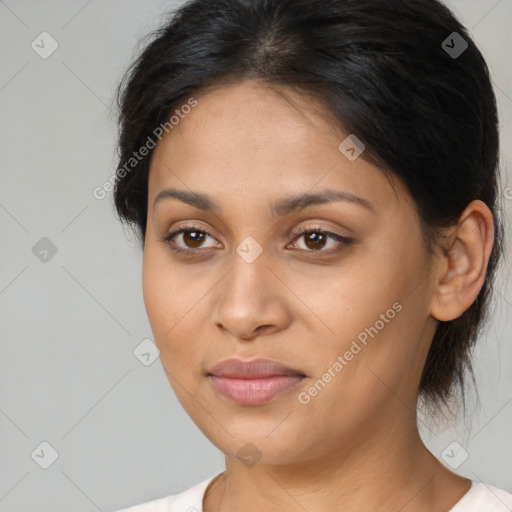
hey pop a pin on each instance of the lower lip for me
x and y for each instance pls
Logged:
(254, 391)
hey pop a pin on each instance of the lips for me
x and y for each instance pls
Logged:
(251, 383)
(256, 368)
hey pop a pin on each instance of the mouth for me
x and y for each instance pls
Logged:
(252, 383)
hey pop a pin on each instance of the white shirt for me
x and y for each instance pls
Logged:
(479, 498)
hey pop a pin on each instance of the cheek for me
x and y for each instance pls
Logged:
(163, 289)
(161, 298)
(367, 314)
(341, 303)
(172, 301)
(153, 288)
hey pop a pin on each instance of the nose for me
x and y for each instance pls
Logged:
(251, 300)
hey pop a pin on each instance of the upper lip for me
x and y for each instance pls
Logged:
(255, 368)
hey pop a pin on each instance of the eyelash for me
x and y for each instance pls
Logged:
(192, 252)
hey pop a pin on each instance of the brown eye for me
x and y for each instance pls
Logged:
(316, 240)
(192, 239)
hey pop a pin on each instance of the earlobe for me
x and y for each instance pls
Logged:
(463, 264)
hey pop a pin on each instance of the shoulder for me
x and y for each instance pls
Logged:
(484, 498)
(189, 500)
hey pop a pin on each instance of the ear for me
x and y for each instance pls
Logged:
(463, 264)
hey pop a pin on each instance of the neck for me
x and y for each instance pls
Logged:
(391, 470)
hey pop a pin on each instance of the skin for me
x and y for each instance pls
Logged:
(355, 444)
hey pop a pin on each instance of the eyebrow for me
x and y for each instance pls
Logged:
(281, 207)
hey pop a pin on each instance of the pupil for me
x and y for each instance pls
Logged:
(194, 242)
(317, 239)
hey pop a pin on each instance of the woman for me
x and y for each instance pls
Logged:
(315, 187)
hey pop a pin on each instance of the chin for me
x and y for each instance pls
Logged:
(264, 441)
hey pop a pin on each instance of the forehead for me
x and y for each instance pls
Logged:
(248, 139)
(249, 113)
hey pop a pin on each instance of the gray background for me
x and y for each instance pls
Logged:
(69, 325)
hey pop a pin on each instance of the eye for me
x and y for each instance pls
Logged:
(189, 239)
(316, 239)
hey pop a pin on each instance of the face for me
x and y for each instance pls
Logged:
(346, 305)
